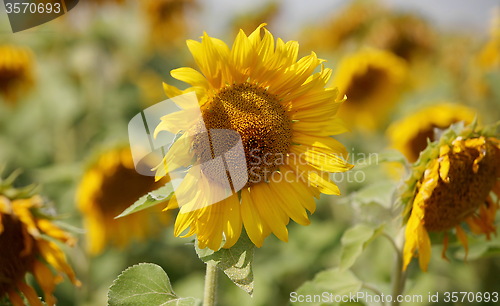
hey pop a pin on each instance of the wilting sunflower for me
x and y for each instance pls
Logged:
(27, 238)
(410, 134)
(454, 182)
(16, 71)
(371, 80)
(167, 19)
(270, 117)
(108, 187)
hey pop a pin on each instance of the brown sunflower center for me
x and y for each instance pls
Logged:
(122, 188)
(419, 142)
(8, 77)
(13, 262)
(452, 202)
(363, 86)
(258, 118)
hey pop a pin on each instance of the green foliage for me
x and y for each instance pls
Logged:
(145, 284)
(236, 262)
(335, 282)
(161, 195)
(354, 241)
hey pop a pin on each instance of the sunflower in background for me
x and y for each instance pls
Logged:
(16, 72)
(248, 21)
(167, 20)
(109, 186)
(485, 65)
(372, 80)
(489, 56)
(27, 241)
(454, 182)
(258, 92)
(411, 134)
(349, 25)
(405, 35)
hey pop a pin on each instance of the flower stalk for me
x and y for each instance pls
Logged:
(210, 294)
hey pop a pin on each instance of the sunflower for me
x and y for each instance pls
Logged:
(410, 134)
(348, 25)
(489, 55)
(485, 65)
(249, 20)
(406, 35)
(166, 19)
(27, 241)
(16, 71)
(108, 187)
(271, 118)
(454, 183)
(371, 79)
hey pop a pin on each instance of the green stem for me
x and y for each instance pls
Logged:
(210, 296)
(399, 276)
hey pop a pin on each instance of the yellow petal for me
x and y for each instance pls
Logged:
(334, 146)
(321, 159)
(56, 258)
(255, 227)
(232, 220)
(462, 236)
(46, 280)
(190, 76)
(274, 217)
(29, 293)
(15, 298)
(445, 246)
(332, 126)
(289, 202)
(55, 232)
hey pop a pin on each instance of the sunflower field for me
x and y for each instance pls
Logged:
(271, 152)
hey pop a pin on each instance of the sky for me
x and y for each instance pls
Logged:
(466, 15)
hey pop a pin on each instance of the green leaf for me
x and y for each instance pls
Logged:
(145, 284)
(334, 282)
(153, 198)
(236, 262)
(354, 241)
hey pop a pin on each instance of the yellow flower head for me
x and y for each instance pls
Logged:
(406, 35)
(347, 25)
(167, 19)
(371, 80)
(249, 20)
(281, 115)
(452, 185)
(410, 134)
(16, 71)
(489, 56)
(27, 242)
(109, 186)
